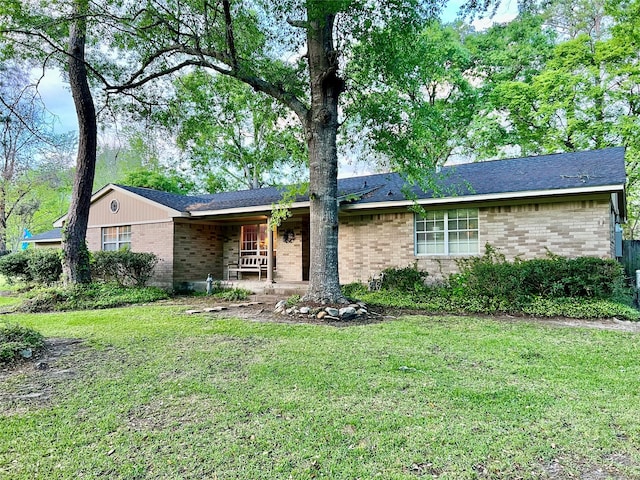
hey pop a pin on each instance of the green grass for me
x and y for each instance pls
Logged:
(159, 394)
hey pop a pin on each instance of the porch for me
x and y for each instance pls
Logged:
(241, 251)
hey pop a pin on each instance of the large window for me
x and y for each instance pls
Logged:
(447, 232)
(116, 238)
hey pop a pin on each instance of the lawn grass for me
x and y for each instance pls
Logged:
(155, 393)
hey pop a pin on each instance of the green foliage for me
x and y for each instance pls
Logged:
(172, 182)
(124, 266)
(18, 342)
(15, 266)
(583, 287)
(45, 265)
(585, 308)
(407, 279)
(87, 297)
(292, 301)
(233, 133)
(233, 294)
(40, 265)
(554, 277)
(405, 112)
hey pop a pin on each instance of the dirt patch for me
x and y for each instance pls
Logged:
(34, 382)
(264, 311)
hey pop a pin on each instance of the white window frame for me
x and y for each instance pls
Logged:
(254, 239)
(421, 231)
(122, 238)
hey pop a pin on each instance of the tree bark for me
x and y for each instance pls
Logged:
(321, 127)
(75, 254)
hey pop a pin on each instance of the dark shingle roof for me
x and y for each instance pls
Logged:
(545, 172)
(50, 236)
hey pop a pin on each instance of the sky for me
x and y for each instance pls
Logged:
(57, 97)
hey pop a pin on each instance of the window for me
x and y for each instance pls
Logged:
(254, 240)
(447, 232)
(116, 238)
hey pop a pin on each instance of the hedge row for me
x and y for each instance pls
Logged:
(44, 266)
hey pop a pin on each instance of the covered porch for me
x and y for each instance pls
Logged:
(218, 246)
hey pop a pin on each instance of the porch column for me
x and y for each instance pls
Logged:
(269, 251)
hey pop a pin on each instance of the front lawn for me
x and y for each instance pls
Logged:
(154, 393)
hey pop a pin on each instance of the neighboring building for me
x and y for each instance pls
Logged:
(568, 204)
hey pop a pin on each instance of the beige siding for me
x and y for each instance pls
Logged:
(198, 251)
(132, 209)
(370, 243)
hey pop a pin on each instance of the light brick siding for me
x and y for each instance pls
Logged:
(577, 228)
(198, 251)
(231, 247)
(147, 237)
(290, 254)
(370, 243)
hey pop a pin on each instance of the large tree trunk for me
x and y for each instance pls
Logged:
(321, 129)
(75, 253)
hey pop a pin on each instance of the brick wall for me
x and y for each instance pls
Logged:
(370, 243)
(198, 251)
(147, 237)
(289, 254)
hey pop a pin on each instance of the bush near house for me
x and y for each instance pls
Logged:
(583, 287)
(39, 265)
(124, 267)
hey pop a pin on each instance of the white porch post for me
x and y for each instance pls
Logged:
(269, 251)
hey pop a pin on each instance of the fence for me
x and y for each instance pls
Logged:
(631, 258)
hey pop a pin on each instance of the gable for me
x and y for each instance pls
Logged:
(128, 209)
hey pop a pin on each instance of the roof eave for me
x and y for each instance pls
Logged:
(242, 210)
(487, 197)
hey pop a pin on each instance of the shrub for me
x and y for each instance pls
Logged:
(233, 294)
(354, 290)
(124, 267)
(42, 265)
(85, 297)
(292, 301)
(552, 277)
(15, 266)
(407, 279)
(45, 265)
(18, 342)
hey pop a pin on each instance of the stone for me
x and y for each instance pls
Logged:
(321, 314)
(347, 313)
(333, 312)
(215, 309)
(362, 312)
(305, 310)
(331, 318)
(26, 353)
(280, 306)
(290, 311)
(192, 312)
(42, 365)
(355, 306)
